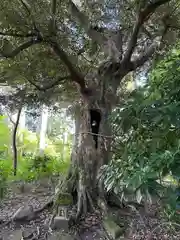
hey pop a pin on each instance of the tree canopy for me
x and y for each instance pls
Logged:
(54, 43)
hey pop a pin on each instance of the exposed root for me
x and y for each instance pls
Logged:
(47, 205)
(5, 223)
(92, 208)
(85, 202)
(102, 204)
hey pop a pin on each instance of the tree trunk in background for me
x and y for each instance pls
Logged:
(14, 146)
(22, 126)
(22, 121)
(43, 130)
(63, 149)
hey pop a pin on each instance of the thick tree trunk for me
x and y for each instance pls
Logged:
(90, 152)
(77, 124)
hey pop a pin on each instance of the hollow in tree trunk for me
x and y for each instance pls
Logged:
(92, 154)
(92, 149)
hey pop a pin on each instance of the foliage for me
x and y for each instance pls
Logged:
(165, 77)
(36, 167)
(5, 172)
(27, 141)
(146, 126)
(31, 166)
(39, 64)
(4, 137)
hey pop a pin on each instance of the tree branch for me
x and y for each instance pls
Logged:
(20, 35)
(10, 118)
(111, 46)
(28, 10)
(85, 23)
(173, 26)
(75, 74)
(22, 47)
(52, 23)
(119, 42)
(144, 57)
(142, 17)
(54, 3)
(146, 32)
(53, 84)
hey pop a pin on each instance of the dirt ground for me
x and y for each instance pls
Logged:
(37, 195)
(138, 225)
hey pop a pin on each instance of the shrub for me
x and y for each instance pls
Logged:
(5, 172)
(5, 138)
(35, 167)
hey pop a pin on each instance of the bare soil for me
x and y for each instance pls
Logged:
(37, 195)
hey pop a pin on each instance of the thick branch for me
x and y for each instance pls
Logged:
(19, 35)
(173, 26)
(142, 17)
(144, 57)
(111, 46)
(75, 74)
(52, 23)
(28, 10)
(150, 51)
(53, 84)
(146, 32)
(10, 118)
(85, 23)
(119, 42)
(22, 47)
(54, 2)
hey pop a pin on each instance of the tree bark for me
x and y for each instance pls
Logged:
(92, 147)
(92, 154)
(77, 124)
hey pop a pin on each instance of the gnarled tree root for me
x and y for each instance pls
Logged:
(85, 202)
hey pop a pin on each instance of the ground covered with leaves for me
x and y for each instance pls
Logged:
(36, 195)
(136, 224)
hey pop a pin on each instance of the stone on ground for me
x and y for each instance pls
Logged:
(14, 235)
(112, 228)
(60, 223)
(60, 236)
(28, 233)
(24, 212)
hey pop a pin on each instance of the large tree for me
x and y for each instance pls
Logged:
(94, 45)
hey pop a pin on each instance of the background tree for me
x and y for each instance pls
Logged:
(112, 45)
